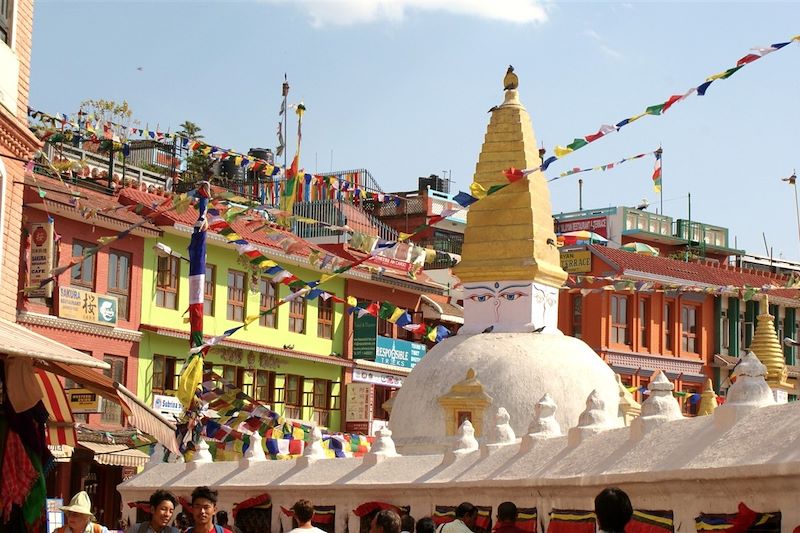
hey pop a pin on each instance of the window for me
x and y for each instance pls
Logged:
(236, 295)
(325, 318)
(264, 382)
(644, 322)
(620, 333)
(112, 412)
(233, 375)
(297, 315)
(382, 395)
(725, 333)
(119, 279)
(577, 313)
(293, 391)
(321, 401)
(669, 327)
(168, 272)
(385, 328)
(269, 297)
(6, 12)
(165, 374)
(209, 289)
(689, 341)
(82, 275)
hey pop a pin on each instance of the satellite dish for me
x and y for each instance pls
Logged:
(644, 204)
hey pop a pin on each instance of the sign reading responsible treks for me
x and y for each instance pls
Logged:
(87, 306)
(396, 352)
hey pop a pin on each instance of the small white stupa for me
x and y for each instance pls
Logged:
(749, 391)
(659, 407)
(503, 433)
(544, 423)
(466, 441)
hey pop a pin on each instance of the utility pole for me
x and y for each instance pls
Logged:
(580, 194)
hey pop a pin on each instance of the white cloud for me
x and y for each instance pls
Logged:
(353, 12)
(601, 44)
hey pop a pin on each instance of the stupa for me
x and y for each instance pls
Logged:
(511, 274)
(561, 400)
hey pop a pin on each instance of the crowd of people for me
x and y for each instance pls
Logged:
(611, 506)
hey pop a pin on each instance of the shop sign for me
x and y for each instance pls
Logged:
(360, 402)
(597, 225)
(402, 257)
(361, 428)
(400, 353)
(167, 404)
(128, 472)
(365, 332)
(41, 262)
(377, 378)
(87, 306)
(84, 401)
(577, 261)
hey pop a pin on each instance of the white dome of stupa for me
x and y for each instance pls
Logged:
(515, 369)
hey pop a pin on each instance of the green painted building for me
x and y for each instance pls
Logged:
(291, 360)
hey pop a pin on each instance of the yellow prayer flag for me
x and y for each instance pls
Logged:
(325, 277)
(396, 315)
(351, 301)
(298, 433)
(561, 151)
(250, 319)
(405, 236)
(477, 190)
(636, 117)
(190, 379)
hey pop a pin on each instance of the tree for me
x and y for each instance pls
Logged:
(198, 163)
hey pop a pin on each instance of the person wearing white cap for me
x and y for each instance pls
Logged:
(79, 516)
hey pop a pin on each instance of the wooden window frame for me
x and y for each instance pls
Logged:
(267, 301)
(576, 315)
(298, 317)
(267, 395)
(668, 321)
(235, 305)
(79, 268)
(123, 295)
(644, 323)
(620, 327)
(298, 401)
(168, 383)
(112, 412)
(209, 290)
(690, 336)
(6, 21)
(325, 318)
(168, 271)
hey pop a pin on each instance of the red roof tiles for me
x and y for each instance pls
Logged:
(624, 262)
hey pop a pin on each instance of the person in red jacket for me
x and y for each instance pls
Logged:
(507, 519)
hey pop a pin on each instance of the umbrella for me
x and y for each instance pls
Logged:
(581, 237)
(640, 248)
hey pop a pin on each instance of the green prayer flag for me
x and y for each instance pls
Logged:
(577, 143)
(655, 109)
(386, 310)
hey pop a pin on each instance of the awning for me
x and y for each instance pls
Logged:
(115, 454)
(446, 312)
(141, 416)
(20, 341)
(61, 426)
(149, 421)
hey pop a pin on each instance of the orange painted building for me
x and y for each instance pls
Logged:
(684, 333)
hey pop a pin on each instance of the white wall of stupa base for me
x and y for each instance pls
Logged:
(745, 452)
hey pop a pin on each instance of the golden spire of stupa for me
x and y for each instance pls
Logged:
(510, 234)
(768, 349)
(708, 400)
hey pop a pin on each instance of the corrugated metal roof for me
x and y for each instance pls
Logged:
(19, 341)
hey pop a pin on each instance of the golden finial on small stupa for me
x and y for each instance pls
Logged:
(768, 349)
(708, 400)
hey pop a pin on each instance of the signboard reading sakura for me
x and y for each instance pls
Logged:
(87, 306)
(41, 262)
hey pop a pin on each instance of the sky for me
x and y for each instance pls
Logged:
(402, 88)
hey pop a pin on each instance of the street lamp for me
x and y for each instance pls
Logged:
(162, 250)
(793, 182)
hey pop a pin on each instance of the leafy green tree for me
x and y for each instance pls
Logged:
(198, 164)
